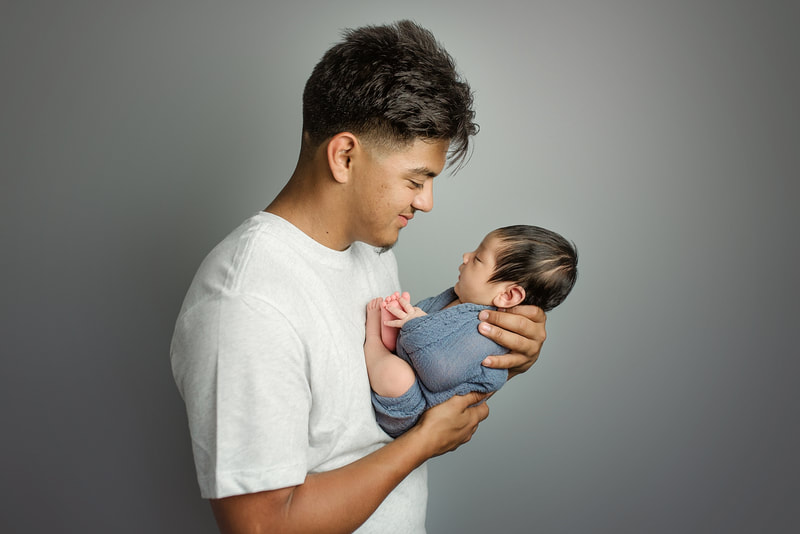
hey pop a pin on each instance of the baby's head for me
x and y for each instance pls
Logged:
(519, 264)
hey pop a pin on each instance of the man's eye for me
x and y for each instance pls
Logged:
(416, 185)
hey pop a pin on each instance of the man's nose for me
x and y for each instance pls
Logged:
(424, 200)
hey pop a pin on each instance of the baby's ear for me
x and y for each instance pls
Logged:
(510, 297)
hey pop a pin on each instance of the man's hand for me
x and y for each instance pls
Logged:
(342, 499)
(452, 423)
(521, 330)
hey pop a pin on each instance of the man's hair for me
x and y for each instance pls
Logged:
(541, 261)
(390, 85)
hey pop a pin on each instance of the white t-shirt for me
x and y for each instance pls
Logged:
(268, 354)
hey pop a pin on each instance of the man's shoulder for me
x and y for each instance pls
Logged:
(255, 255)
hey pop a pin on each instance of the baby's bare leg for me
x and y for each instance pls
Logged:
(389, 375)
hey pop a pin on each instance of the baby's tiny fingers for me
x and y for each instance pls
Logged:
(407, 307)
(396, 311)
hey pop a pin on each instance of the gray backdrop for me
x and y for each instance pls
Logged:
(662, 137)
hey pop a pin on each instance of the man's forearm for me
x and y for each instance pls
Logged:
(333, 501)
(342, 499)
(351, 494)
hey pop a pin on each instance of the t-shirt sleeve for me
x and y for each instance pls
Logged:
(248, 423)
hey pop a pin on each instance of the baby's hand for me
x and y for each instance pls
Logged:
(401, 308)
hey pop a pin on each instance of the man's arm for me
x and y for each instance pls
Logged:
(520, 329)
(342, 499)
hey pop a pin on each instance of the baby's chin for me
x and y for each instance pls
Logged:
(459, 293)
(457, 290)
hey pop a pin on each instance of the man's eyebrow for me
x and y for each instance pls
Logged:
(423, 171)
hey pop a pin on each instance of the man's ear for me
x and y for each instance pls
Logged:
(509, 297)
(340, 149)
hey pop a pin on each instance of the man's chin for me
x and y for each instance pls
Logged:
(386, 248)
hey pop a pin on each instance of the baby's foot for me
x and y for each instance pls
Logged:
(389, 333)
(374, 319)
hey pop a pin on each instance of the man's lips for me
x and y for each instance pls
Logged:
(406, 218)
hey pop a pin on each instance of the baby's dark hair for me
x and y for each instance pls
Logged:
(541, 261)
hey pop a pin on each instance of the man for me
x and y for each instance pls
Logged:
(268, 347)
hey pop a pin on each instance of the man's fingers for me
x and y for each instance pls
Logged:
(505, 338)
(527, 321)
(473, 398)
(534, 313)
(509, 361)
(474, 402)
(520, 330)
(482, 410)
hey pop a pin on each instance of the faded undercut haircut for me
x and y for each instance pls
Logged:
(389, 85)
(541, 261)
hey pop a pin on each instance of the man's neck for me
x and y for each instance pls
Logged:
(313, 208)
